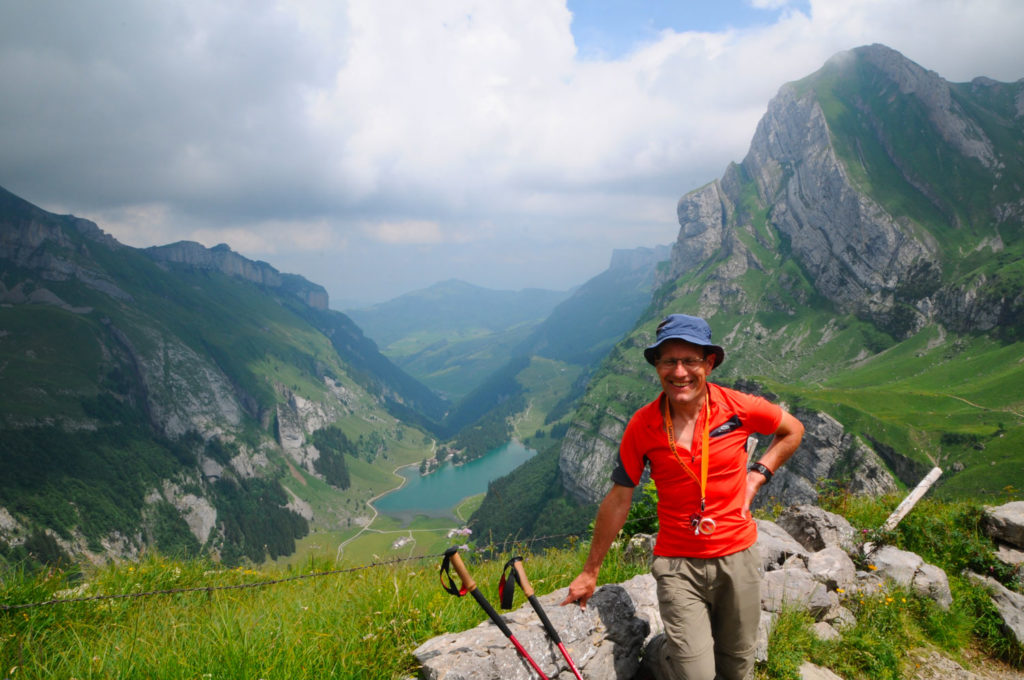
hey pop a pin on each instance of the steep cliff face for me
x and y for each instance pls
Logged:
(879, 220)
(225, 260)
(152, 398)
(875, 195)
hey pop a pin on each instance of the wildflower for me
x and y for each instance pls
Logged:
(888, 600)
(872, 567)
(840, 591)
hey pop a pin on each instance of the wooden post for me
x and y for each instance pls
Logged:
(908, 503)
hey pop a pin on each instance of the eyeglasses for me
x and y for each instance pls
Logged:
(689, 363)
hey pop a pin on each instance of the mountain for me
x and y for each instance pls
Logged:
(582, 329)
(182, 397)
(568, 343)
(863, 265)
(453, 334)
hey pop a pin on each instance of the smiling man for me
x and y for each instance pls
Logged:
(705, 562)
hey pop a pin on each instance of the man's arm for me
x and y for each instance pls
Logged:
(610, 517)
(787, 439)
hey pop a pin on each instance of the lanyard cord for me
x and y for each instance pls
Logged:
(703, 481)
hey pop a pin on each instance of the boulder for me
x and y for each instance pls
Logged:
(795, 588)
(931, 581)
(1005, 523)
(824, 631)
(622, 623)
(605, 640)
(833, 567)
(816, 529)
(1010, 556)
(775, 544)
(910, 571)
(1009, 604)
(895, 564)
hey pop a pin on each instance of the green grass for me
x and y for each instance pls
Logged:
(363, 621)
(358, 624)
(467, 507)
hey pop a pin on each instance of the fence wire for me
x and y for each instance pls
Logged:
(490, 550)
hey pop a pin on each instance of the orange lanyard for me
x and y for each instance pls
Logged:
(703, 481)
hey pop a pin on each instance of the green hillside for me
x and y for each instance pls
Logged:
(452, 335)
(141, 395)
(170, 618)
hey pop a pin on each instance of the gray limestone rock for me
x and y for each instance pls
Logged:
(1006, 523)
(605, 640)
(833, 567)
(1009, 604)
(775, 544)
(817, 529)
(795, 588)
(808, 671)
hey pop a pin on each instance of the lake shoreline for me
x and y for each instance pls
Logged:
(438, 493)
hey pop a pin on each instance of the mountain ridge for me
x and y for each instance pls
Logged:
(862, 263)
(183, 398)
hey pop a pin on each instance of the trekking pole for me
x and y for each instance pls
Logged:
(506, 591)
(452, 559)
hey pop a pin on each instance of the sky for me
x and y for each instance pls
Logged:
(379, 146)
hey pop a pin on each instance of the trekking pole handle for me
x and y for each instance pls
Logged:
(460, 568)
(521, 576)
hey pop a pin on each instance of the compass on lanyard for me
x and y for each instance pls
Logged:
(699, 523)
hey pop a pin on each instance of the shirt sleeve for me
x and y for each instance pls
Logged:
(762, 416)
(631, 459)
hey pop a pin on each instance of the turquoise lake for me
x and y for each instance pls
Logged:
(437, 494)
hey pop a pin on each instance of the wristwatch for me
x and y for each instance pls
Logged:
(763, 469)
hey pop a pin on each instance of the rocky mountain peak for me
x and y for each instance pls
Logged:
(872, 194)
(221, 258)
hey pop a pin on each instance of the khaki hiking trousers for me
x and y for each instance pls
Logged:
(711, 608)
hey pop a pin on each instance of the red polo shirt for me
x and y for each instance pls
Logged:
(734, 417)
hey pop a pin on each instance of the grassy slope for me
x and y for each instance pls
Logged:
(52, 360)
(365, 622)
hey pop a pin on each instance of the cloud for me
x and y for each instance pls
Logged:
(380, 131)
(407, 232)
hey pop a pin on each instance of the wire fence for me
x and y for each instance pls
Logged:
(489, 550)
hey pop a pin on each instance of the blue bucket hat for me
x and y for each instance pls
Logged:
(692, 329)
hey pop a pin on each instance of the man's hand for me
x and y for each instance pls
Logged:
(581, 589)
(785, 442)
(611, 515)
(755, 480)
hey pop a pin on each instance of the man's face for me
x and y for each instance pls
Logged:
(683, 369)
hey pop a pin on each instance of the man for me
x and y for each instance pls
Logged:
(705, 559)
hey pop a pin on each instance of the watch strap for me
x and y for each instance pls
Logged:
(763, 469)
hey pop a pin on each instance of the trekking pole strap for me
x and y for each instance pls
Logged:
(451, 558)
(507, 584)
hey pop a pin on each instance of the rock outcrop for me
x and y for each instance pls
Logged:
(221, 258)
(862, 255)
(812, 571)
